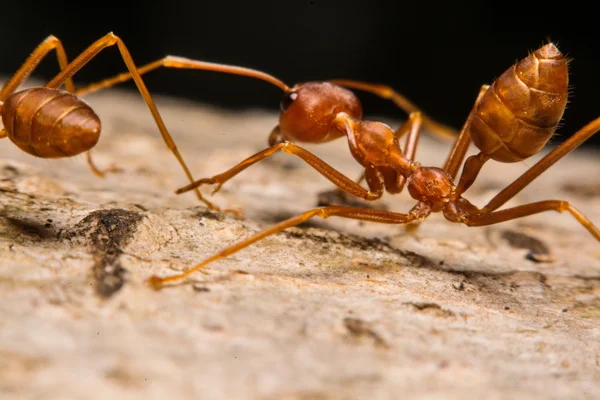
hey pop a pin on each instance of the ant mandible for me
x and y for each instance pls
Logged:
(48, 122)
(511, 120)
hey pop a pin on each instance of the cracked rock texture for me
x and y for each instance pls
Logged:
(333, 309)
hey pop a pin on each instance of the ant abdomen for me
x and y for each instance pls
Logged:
(521, 110)
(50, 123)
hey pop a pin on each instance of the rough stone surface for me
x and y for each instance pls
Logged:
(333, 309)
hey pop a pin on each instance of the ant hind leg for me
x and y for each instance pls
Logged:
(496, 217)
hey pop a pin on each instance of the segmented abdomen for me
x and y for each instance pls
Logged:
(50, 123)
(521, 110)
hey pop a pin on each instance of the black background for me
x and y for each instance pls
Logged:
(437, 54)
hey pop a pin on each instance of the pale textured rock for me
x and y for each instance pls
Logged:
(334, 310)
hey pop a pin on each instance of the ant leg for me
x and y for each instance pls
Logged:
(386, 92)
(470, 172)
(182, 63)
(276, 137)
(362, 214)
(413, 127)
(101, 173)
(41, 51)
(339, 179)
(489, 218)
(463, 141)
(92, 51)
(546, 162)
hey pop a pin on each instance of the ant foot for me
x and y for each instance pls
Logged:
(155, 282)
(101, 173)
(198, 183)
(238, 213)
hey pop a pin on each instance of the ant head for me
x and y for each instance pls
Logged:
(308, 111)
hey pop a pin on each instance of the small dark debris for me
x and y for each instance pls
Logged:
(460, 287)
(506, 307)
(105, 232)
(433, 308)
(538, 250)
(345, 239)
(141, 207)
(31, 228)
(49, 220)
(200, 288)
(583, 190)
(10, 171)
(109, 275)
(288, 166)
(215, 216)
(358, 328)
(564, 309)
(539, 258)
(241, 272)
(441, 263)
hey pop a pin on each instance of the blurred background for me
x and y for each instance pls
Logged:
(436, 54)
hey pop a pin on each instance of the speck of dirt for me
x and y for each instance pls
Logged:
(105, 232)
(360, 328)
(207, 214)
(200, 288)
(431, 308)
(10, 171)
(589, 190)
(538, 250)
(31, 229)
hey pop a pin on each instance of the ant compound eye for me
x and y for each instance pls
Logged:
(287, 101)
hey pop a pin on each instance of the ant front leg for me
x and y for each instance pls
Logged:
(87, 55)
(386, 217)
(343, 182)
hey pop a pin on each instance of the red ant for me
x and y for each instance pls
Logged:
(510, 121)
(48, 122)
